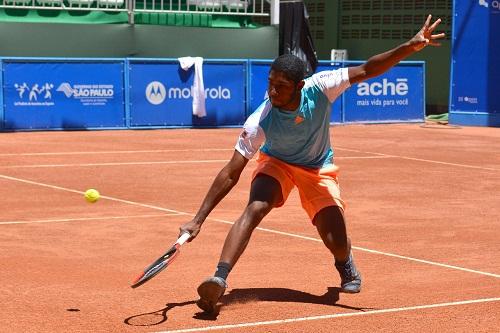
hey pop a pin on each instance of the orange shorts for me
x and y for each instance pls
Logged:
(318, 188)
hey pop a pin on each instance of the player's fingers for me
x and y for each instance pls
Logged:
(434, 25)
(434, 44)
(438, 36)
(428, 21)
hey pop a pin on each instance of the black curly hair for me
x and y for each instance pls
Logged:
(292, 66)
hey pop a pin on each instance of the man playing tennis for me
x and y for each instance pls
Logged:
(291, 131)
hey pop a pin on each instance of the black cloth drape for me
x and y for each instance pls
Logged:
(295, 35)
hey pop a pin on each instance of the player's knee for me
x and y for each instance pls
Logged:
(256, 211)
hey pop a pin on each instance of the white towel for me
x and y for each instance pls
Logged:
(198, 88)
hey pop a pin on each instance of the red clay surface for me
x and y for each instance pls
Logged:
(428, 194)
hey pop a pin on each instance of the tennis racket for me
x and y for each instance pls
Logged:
(161, 263)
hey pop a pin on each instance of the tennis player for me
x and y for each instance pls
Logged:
(290, 130)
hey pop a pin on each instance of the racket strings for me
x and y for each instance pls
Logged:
(157, 266)
(161, 263)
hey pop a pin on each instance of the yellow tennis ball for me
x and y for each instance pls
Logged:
(91, 195)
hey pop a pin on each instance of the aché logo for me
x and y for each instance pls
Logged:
(384, 88)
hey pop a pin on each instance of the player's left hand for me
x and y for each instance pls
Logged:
(425, 37)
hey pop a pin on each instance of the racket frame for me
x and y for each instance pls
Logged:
(161, 263)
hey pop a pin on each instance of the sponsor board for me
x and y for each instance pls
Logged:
(63, 95)
(162, 95)
(397, 95)
(475, 71)
(259, 73)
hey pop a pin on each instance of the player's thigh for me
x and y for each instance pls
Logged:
(318, 192)
(267, 190)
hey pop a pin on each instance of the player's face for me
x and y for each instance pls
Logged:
(282, 91)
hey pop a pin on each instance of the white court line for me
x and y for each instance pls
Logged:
(151, 162)
(230, 149)
(87, 219)
(360, 157)
(426, 262)
(373, 251)
(101, 197)
(116, 152)
(332, 316)
(258, 228)
(421, 159)
(109, 164)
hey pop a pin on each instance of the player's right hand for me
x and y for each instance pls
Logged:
(425, 36)
(192, 227)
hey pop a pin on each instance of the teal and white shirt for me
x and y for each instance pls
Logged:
(299, 137)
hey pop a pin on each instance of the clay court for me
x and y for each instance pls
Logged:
(423, 214)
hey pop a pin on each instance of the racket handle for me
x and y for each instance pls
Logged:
(184, 237)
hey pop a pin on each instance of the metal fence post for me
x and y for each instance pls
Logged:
(130, 11)
(275, 12)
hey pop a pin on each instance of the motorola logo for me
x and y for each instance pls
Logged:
(156, 93)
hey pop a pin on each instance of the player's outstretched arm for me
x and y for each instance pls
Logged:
(380, 63)
(223, 183)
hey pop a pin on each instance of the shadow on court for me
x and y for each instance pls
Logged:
(155, 317)
(285, 295)
(238, 296)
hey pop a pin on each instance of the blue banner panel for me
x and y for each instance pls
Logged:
(475, 119)
(2, 119)
(259, 72)
(475, 69)
(225, 91)
(161, 94)
(61, 95)
(397, 95)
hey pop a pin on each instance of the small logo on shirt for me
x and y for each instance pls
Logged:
(298, 120)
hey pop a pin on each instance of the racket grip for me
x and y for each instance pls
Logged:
(184, 237)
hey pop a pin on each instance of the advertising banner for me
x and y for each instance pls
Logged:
(259, 72)
(475, 72)
(140, 93)
(161, 94)
(2, 119)
(58, 95)
(397, 95)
